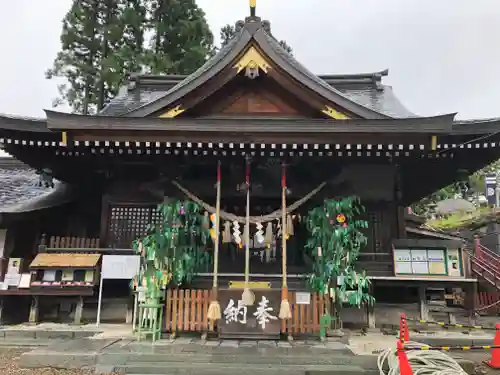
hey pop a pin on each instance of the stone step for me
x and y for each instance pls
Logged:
(25, 343)
(10, 333)
(241, 358)
(231, 369)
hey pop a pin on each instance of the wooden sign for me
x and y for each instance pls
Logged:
(257, 321)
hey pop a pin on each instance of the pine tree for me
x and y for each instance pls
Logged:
(182, 40)
(228, 31)
(77, 61)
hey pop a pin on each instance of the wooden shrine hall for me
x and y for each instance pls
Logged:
(162, 136)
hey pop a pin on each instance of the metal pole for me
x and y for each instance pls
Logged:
(134, 315)
(99, 303)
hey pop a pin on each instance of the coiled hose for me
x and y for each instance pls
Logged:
(423, 362)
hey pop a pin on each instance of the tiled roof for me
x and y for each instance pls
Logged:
(379, 98)
(18, 184)
(65, 260)
(370, 100)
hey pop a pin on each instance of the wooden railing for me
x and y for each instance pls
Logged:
(186, 311)
(57, 242)
(489, 257)
(488, 301)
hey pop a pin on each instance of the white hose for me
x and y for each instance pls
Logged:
(423, 362)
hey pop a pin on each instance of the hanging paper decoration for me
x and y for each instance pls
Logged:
(236, 233)
(206, 220)
(289, 226)
(259, 236)
(336, 249)
(226, 234)
(269, 235)
(244, 239)
(213, 218)
(341, 219)
(280, 229)
(173, 250)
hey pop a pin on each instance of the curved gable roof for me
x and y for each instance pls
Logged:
(253, 31)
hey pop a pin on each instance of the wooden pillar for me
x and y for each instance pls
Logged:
(129, 315)
(2, 298)
(370, 312)
(422, 303)
(34, 310)
(79, 311)
(370, 317)
(471, 302)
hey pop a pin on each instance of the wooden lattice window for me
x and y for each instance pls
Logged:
(126, 223)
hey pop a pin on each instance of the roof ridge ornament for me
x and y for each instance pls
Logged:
(253, 6)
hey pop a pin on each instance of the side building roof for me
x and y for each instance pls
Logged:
(20, 191)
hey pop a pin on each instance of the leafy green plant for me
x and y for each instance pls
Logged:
(173, 250)
(336, 239)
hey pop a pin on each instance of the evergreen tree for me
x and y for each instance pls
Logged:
(182, 40)
(77, 62)
(228, 32)
(102, 42)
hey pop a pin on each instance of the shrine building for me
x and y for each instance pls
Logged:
(101, 177)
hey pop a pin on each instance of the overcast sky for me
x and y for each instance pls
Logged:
(442, 55)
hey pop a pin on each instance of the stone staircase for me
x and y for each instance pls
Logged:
(230, 357)
(186, 356)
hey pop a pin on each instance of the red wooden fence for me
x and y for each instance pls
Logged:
(487, 299)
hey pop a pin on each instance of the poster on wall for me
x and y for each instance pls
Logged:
(435, 255)
(420, 268)
(403, 268)
(419, 255)
(402, 255)
(419, 262)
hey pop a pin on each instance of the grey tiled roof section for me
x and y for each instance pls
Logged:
(203, 73)
(381, 99)
(129, 100)
(373, 100)
(18, 185)
(319, 85)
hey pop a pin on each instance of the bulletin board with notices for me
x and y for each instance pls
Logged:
(423, 262)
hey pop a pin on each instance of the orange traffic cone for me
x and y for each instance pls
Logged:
(494, 362)
(404, 334)
(404, 364)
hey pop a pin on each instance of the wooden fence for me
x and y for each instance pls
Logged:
(186, 311)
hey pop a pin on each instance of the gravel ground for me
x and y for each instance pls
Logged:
(478, 358)
(9, 366)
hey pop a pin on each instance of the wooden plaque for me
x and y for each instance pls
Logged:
(257, 321)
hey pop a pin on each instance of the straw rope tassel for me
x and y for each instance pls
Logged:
(214, 310)
(247, 297)
(285, 311)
